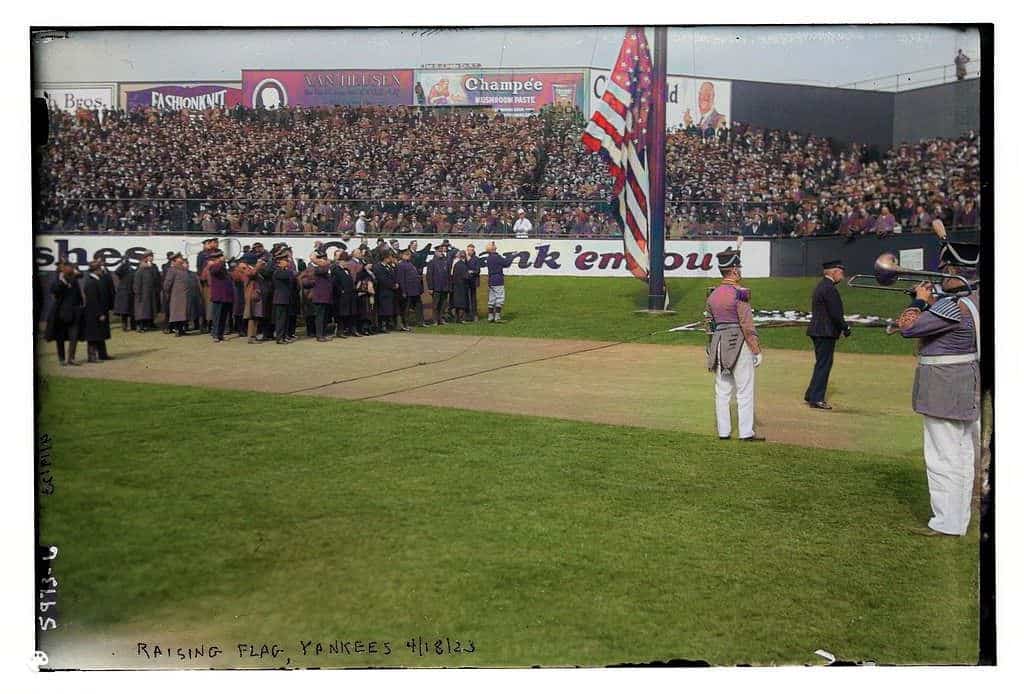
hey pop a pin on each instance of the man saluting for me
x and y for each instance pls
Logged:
(827, 323)
(735, 350)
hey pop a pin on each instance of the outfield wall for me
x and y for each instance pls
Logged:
(780, 257)
(543, 257)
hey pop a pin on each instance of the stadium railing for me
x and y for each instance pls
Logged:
(550, 218)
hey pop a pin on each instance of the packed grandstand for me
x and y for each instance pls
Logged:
(450, 172)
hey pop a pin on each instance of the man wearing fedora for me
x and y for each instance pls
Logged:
(827, 324)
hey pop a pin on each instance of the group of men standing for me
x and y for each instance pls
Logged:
(263, 293)
(944, 317)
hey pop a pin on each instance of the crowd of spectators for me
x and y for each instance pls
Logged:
(384, 171)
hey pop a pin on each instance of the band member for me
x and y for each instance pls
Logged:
(827, 323)
(460, 286)
(107, 281)
(947, 389)
(284, 278)
(222, 292)
(496, 265)
(322, 293)
(176, 289)
(735, 350)
(344, 296)
(95, 313)
(438, 283)
(64, 318)
(146, 289)
(473, 270)
(387, 291)
(411, 286)
(124, 298)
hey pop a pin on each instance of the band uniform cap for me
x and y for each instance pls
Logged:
(320, 254)
(830, 264)
(728, 258)
(960, 253)
(211, 239)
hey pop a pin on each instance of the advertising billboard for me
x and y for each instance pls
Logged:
(71, 97)
(183, 96)
(272, 89)
(511, 91)
(554, 257)
(702, 102)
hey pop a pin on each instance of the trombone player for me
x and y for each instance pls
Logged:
(947, 389)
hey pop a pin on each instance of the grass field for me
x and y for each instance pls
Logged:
(603, 309)
(542, 541)
(190, 516)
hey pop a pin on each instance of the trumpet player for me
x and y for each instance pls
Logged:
(947, 389)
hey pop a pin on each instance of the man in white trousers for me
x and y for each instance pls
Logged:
(735, 350)
(947, 386)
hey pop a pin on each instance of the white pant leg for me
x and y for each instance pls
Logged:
(949, 447)
(725, 386)
(743, 374)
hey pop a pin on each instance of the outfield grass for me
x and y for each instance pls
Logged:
(221, 516)
(604, 309)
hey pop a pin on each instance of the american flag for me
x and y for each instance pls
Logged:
(618, 131)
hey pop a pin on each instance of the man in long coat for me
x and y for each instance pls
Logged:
(344, 296)
(387, 291)
(124, 297)
(146, 293)
(222, 292)
(176, 289)
(321, 294)
(410, 284)
(196, 304)
(439, 283)
(63, 320)
(95, 313)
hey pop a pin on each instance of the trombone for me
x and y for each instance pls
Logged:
(888, 275)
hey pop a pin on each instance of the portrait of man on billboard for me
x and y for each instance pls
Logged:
(269, 94)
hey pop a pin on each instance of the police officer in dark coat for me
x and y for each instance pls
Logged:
(95, 313)
(64, 319)
(827, 323)
(124, 299)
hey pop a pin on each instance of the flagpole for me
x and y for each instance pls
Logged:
(656, 171)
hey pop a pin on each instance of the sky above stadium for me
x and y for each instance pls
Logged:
(835, 55)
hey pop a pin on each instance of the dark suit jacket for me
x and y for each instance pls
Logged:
(826, 311)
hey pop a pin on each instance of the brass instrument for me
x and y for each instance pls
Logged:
(888, 273)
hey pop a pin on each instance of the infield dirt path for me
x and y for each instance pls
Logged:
(657, 386)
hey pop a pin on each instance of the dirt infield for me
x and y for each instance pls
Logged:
(657, 386)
